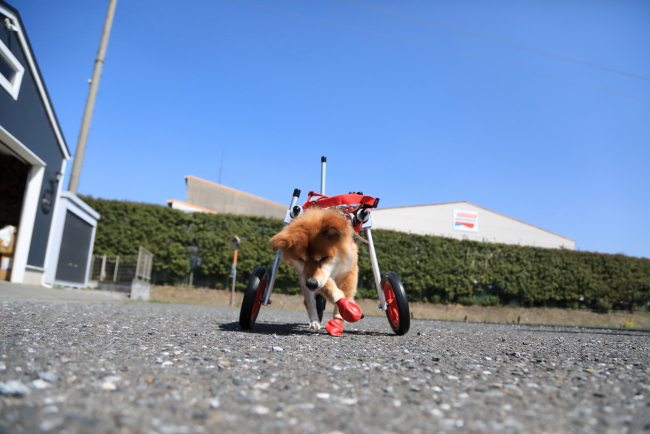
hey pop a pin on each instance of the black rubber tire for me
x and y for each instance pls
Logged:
(320, 306)
(398, 314)
(250, 305)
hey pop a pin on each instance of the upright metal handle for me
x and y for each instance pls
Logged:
(323, 163)
(294, 198)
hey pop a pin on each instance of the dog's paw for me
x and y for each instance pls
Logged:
(349, 310)
(334, 327)
(314, 325)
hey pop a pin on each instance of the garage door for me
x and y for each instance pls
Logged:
(75, 248)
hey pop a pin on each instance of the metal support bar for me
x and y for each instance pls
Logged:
(138, 266)
(271, 281)
(102, 272)
(375, 268)
(147, 268)
(117, 264)
(276, 262)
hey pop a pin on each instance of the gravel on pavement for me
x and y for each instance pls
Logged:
(92, 367)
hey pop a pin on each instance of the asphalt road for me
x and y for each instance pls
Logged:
(99, 367)
(14, 291)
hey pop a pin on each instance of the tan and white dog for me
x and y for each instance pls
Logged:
(320, 246)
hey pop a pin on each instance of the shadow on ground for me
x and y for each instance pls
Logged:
(292, 329)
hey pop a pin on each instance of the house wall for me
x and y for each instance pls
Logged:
(27, 120)
(492, 227)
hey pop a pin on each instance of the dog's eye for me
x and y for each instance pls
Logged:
(301, 260)
(324, 258)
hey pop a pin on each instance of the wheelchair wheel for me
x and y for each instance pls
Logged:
(250, 306)
(320, 306)
(398, 307)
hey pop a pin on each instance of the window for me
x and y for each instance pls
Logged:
(11, 71)
(7, 70)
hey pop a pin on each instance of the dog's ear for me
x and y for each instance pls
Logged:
(281, 241)
(332, 233)
(334, 225)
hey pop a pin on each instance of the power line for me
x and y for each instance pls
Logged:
(432, 47)
(485, 37)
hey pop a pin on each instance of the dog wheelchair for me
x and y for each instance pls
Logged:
(356, 208)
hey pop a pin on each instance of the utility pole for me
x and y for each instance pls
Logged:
(90, 102)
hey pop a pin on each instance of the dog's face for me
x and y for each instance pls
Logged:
(318, 244)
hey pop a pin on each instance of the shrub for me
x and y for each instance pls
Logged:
(491, 300)
(367, 293)
(433, 267)
(466, 301)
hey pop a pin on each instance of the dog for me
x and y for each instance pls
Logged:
(320, 246)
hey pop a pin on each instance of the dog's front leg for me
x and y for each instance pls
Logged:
(310, 304)
(346, 308)
(331, 292)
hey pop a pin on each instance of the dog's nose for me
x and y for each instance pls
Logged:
(312, 284)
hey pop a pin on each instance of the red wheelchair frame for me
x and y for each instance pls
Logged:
(356, 207)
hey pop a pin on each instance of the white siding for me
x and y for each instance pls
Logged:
(186, 207)
(493, 227)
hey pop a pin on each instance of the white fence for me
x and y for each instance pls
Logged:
(122, 268)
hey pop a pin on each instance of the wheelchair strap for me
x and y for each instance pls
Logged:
(323, 201)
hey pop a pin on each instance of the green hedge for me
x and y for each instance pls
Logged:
(431, 268)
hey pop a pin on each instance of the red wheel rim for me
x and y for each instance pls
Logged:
(258, 300)
(389, 295)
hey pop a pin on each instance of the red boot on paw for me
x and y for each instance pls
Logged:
(349, 310)
(334, 327)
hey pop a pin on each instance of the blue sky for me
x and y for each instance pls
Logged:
(414, 102)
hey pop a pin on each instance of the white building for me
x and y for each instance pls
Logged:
(466, 221)
(188, 207)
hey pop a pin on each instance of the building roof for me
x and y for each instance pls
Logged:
(477, 206)
(234, 190)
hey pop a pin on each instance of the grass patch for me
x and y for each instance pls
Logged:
(444, 312)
